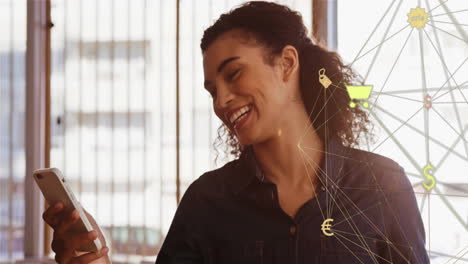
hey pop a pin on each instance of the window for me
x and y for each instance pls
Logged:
(12, 118)
(420, 97)
(113, 105)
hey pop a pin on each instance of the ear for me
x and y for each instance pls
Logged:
(289, 62)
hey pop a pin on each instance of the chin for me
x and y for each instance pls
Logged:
(245, 141)
(250, 138)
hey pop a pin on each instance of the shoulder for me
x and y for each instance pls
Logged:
(374, 160)
(379, 170)
(215, 183)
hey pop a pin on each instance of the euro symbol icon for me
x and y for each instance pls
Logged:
(429, 177)
(326, 227)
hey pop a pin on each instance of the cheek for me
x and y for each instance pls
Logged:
(273, 108)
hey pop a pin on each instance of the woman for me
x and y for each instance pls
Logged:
(299, 192)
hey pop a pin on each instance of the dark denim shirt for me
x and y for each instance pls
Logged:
(230, 215)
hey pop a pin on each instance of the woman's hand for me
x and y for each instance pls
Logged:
(65, 243)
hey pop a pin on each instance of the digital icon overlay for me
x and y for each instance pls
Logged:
(326, 227)
(323, 79)
(417, 17)
(359, 93)
(430, 180)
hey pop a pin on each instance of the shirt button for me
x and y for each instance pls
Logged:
(292, 230)
(323, 188)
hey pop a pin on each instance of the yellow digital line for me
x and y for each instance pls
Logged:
(457, 254)
(448, 33)
(451, 23)
(453, 12)
(437, 6)
(351, 222)
(380, 43)
(358, 213)
(369, 252)
(349, 249)
(460, 257)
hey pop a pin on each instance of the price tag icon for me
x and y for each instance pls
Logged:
(323, 79)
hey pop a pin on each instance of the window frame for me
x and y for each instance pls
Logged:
(37, 134)
(37, 122)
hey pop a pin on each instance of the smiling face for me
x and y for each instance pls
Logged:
(250, 96)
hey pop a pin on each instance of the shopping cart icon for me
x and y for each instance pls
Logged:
(359, 93)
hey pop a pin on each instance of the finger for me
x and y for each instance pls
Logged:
(82, 240)
(51, 212)
(58, 245)
(75, 243)
(67, 223)
(59, 249)
(59, 218)
(88, 257)
(64, 256)
(79, 240)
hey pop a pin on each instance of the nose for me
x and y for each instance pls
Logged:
(224, 97)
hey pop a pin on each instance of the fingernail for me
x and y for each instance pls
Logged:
(58, 206)
(75, 214)
(92, 234)
(102, 251)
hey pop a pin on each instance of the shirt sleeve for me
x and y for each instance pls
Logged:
(180, 244)
(406, 229)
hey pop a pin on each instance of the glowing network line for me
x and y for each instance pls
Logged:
(418, 18)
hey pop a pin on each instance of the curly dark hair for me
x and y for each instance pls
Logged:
(274, 26)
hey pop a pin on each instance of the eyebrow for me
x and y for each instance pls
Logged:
(221, 66)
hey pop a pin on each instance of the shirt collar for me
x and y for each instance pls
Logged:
(248, 170)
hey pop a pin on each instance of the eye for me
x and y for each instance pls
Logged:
(233, 74)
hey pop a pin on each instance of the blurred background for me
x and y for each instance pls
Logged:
(120, 70)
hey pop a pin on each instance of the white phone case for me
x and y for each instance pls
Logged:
(54, 188)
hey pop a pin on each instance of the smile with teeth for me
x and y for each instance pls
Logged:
(239, 115)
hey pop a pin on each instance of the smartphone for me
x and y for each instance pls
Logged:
(55, 189)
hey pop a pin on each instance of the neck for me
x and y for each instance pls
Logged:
(292, 157)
